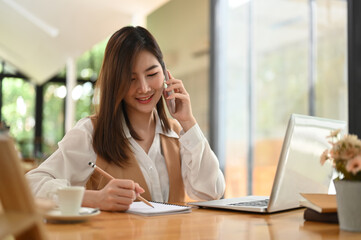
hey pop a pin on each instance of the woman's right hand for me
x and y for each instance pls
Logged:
(117, 195)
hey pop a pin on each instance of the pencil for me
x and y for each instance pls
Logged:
(110, 177)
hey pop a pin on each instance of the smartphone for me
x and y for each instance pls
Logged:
(170, 102)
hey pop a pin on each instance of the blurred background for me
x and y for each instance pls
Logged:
(247, 65)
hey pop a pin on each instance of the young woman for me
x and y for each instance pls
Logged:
(131, 138)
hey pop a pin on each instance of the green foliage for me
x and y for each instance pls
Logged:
(84, 104)
(18, 112)
(53, 118)
(53, 113)
(22, 126)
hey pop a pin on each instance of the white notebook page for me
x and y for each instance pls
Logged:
(159, 209)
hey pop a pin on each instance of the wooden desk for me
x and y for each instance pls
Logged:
(200, 224)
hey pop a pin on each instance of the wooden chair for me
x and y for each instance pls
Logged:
(19, 217)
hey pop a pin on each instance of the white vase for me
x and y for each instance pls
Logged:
(348, 194)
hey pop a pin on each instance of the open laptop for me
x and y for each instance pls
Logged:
(298, 171)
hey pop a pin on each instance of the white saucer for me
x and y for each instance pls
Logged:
(84, 214)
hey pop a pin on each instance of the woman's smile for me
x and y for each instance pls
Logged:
(145, 99)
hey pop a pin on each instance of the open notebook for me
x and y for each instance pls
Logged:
(141, 208)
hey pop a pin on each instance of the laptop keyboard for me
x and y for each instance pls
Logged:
(258, 203)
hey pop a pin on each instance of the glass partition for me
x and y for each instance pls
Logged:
(271, 60)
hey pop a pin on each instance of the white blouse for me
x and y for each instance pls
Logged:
(68, 165)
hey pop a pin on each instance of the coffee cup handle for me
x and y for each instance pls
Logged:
(53, 196)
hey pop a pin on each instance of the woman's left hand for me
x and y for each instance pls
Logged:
(183, 112)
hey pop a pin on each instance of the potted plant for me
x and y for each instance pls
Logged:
(345, 155)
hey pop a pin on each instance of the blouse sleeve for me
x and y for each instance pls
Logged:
(202, 177)
(68, 165)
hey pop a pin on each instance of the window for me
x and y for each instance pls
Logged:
(19, 98)
(18, 112)
(273, 63)
(53, 116)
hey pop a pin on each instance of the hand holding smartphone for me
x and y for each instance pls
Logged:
(170, 102)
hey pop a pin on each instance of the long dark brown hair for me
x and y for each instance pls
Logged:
(109, 140)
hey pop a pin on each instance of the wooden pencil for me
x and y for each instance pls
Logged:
(110, 177)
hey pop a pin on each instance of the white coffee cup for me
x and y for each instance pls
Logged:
(70, 199)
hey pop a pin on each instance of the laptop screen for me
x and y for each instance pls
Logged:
(299, 169)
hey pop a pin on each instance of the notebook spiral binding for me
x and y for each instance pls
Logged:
(172, 204)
